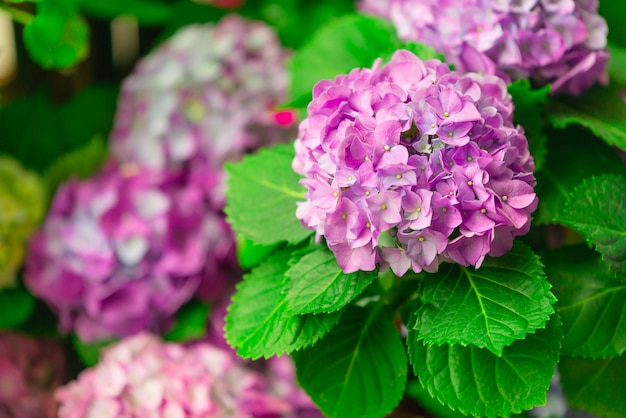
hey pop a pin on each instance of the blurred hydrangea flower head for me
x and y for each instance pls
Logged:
(120, 253)
(279, 371)
(30, 371)
(142, 376)
(22, 204)
(411, 164)
(562, 42)
(206, 95)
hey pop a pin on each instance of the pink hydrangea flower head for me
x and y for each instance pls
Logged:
(279, 371)
(121, 252)
(206, 95)
(558, 42)
(412, 150)
(30, 371)
(142, 376)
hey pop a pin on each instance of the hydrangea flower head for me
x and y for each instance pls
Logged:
(22, 201)
(30, 371)
(414, 152)
(206, 95)
(561, 42)
(279, 371)
(142, 376)
(121, 252)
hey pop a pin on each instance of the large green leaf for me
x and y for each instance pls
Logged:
(591, 302)
(359, 369)
(58, 37)
(529, 112)
(573, 155)
(317, 284)
(477, 382)
(261, 197)
(601, 109)
(617, 63)
(597, 209)
(345, 43)
(296, 20)
(16, 305)
(491, 307)
(259, 323)
(595, 386)
(250, 254)
(613, 12)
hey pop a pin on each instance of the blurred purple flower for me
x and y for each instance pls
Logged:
(558, 42)
(203, 97)
(30, 371)
(144, 377)
(120, 253)
(417, 152)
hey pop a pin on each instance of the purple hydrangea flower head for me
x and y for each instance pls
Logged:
(30, 371)
(205, 96)
(562, 42)
(120, 253)
(417, 153)
(141, 376)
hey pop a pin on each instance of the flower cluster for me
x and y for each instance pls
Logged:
(205, 96)
(414, 163)
(144, 377)
(30, 371)
(22, 204)
(120, 253)
(562, 42)
(280, 371)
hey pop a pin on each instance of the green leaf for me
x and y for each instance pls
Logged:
(147, 12)
(81, 163)
(190, 323)
(529, 112)
(55, 129)
(259, 323)
(617, 63)
(591, 302)
(491, 307)
(261, 197)
(597, 209)
(415, 390)
(89, 353)
(16, 305)
(345, 43)
(601, 110)
(476, 381)
(595, 386)
(613, 12)
(58, 37)
(317, 284)
(359, 369)
(573, 155)
(250, 254)
(296, 20)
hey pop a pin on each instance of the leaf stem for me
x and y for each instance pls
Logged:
(18, 15)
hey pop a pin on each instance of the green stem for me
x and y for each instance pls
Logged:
(18, 15)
